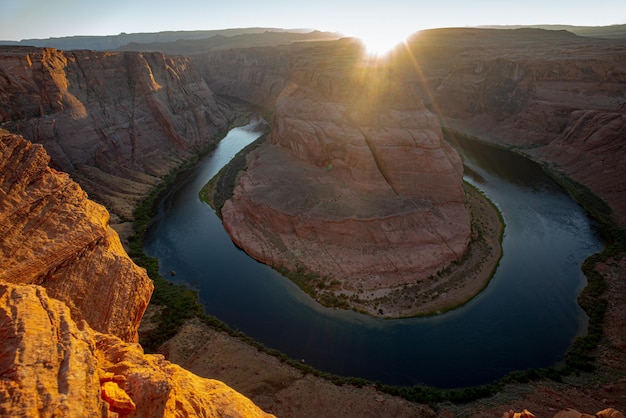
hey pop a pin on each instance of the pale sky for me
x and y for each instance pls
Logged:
(23, 19)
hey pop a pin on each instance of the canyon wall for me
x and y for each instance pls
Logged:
(256, 75)
(356, 183)
(555, 96)
(558, 97)
(117, 122)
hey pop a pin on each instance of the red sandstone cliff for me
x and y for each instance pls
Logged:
(116, 122)
(524, 88)
(256, 75)
(356, 184)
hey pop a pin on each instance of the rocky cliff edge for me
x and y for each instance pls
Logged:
(52, 235)
(61, 263)
(51, 366)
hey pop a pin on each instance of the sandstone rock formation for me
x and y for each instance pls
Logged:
(591, 149)
(51, 366)
(53, 236)
(117, 122)
(356, 184)
(256, 75)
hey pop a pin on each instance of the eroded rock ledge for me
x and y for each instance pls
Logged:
(52, 235)
(356, 183)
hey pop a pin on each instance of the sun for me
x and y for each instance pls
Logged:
(380, 43)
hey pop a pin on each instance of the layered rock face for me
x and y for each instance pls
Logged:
(356, 183)
(53, 236)
(116, 122)
(52, 366)
(256, 75)
(554, 95)
(591, 149)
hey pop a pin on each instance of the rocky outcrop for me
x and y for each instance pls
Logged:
(52, 366)
(53, 236)
(356, 184)
(116, 122)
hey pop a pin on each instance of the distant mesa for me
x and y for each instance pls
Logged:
(178, 42)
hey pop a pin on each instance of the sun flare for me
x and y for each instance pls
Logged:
(380, 43)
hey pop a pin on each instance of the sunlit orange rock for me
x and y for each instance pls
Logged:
(524, 414)
(117, 398)
(52, 235)
(609, 413)
(52, 366)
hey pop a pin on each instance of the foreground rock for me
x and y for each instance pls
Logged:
(51, 366)
(52, 235)
(356, 184)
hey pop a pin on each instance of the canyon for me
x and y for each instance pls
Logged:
(552, 95)
(119, 122)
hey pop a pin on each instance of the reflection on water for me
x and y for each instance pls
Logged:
(527, 316)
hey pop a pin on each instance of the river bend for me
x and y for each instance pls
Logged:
(526, 318)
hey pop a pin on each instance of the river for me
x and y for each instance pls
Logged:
(526, 318)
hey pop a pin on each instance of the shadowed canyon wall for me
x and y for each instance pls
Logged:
(558, 97)
(116, 122)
